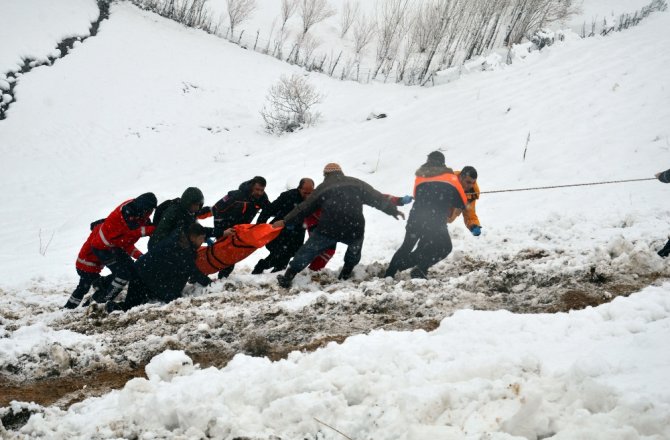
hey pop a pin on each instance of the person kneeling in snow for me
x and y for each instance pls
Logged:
(438, 196)
(468, 179)
(665, 178)
(111, 243)
(162, 273)
(341, 199)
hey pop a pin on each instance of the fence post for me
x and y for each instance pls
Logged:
(258, 32)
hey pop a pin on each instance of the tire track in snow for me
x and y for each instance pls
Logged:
(7, 91)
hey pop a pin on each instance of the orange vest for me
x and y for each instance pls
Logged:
(449, 178)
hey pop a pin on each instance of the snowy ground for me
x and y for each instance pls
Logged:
(147, 105)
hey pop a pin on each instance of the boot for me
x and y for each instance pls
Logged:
(223, 273)
(418, 273)
(111, 292)
(345, 273)
(72, 302)
(286, 279)
(260, 267)
(112, 306)
(663, 253)
(98, 297)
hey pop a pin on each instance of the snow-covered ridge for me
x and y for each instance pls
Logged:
(28, 36)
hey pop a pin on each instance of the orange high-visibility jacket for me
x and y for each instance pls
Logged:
(469, 214)
(229, 250)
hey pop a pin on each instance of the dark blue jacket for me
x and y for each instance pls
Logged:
(167, 267)
(665, 176)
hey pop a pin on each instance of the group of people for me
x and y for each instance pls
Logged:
(329, 213)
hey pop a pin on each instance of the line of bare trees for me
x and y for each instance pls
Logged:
(415, 38)
(410, 39)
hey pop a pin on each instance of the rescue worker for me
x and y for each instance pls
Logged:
(341, 199)
(112, 244)
(180, 214)
(468, 179)
(162, 273)
(438, 195)
(312, 221)
(665, 178)
(239, 207)
(289, 241)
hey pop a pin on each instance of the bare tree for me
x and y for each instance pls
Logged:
(313, 12)
(239, 11)
(391, 15)
(289, 104)
(288, 8)
(364, 30)
(309, 45)
(348, 16)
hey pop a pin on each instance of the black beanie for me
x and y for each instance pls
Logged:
(435, 158)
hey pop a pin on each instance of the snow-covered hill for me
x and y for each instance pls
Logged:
(148, 105)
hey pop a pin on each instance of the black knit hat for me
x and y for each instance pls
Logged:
(435, 158)
(191, 196)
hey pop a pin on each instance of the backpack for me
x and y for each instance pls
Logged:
(97, 222)
(160, 209)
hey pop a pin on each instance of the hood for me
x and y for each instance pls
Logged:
(333, 175)
(142, 205)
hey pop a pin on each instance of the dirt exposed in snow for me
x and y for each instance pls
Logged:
(252, 315)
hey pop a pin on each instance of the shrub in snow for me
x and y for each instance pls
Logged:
(542, 38)
(289, 104)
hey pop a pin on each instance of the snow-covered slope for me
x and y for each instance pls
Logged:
(31, 29)
(148, 105)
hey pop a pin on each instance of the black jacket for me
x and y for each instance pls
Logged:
(341, 199)
(177, 217)
(282, 206)
(433, 201)
(288, 238)
(167, 267)
(665, 176)
(237, 208)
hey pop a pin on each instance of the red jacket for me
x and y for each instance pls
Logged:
(114, 232)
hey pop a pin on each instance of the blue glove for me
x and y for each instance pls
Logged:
(476, 231)
(404, 200)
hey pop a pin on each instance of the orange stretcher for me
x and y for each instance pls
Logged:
(234, 248)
